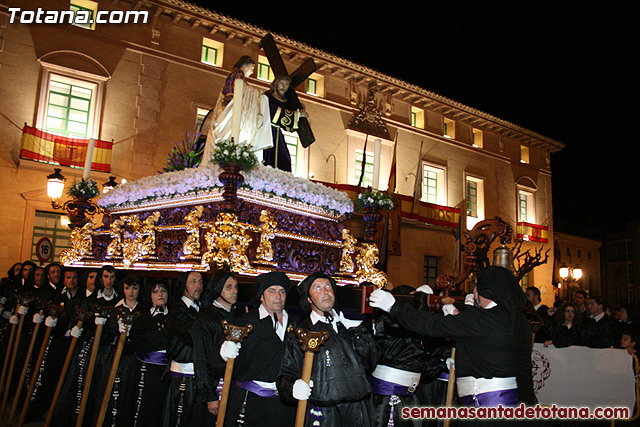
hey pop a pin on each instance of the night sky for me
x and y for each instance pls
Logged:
(568, 70)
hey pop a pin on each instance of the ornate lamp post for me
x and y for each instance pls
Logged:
(80, 207)
(568, 275)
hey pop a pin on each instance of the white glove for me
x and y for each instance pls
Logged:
(450, 363)
(449, 309)
(3, 300)
(123, 328)
(469, 300)
(302, 390)
(38, 318)
(426, 289)
(50, 322)
(22, 309)
(100, 320)
(382, 300)
(6, 314)
(14, 319)
(76, 332)
(229, 350)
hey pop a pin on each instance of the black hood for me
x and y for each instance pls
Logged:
(214, 288)
(500, 285)
(305, 285)
(266, 280)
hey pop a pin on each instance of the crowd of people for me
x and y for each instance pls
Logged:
(586, 320)
(171, 355)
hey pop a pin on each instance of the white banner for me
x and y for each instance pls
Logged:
(581, 376)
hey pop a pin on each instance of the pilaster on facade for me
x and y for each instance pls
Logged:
(146, 122)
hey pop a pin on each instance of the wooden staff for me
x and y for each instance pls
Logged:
(236, 334)
(127, 317)
(451, 385)
(102, 312)
(54, 311)
(7, 354)
(24, 302)
(81, 317)
(23, 374)
(310, 343)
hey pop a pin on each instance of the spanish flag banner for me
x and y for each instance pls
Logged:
(532, 232)
(46, 147)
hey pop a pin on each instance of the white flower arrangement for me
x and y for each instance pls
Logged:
(261, 178)
(374, 197)
(227, 151)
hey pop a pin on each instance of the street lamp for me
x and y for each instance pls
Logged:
(55, 184)
(569, 274)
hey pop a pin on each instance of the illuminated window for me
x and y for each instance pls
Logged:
(417, 117)
(524, 154)
(264, 69)
(212, 52)
(367, 180)
(70, 106)
(315, 85)
(201, 114)
(475, 201)
(449, 129)
(84, 9)
(526, 207)
(434, 185)
(476, 138)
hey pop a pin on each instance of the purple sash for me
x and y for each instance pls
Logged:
(180, 375)
(491, 399)
(153, 357)
(386, 388)
(257, 389)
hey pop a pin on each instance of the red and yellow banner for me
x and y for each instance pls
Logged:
(46, 147)
(428, 213)
(532, 232)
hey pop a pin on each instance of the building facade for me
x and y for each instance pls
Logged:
(138, 87)
(576, 252)
(620, 265)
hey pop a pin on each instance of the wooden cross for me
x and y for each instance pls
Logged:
(297, 77)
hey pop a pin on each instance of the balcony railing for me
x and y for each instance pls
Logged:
(46, 147)
(427, 213)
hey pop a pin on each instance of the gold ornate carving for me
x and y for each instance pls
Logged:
(81, 244)
(267, 233)
(348, 248)
(227, 244)
(191, 246)
(115, 245)
(148, 232)
(366, 259)
(131, 246)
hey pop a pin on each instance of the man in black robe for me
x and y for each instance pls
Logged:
(218, 302)
(253, 397)
(411, 369)
(282, 117)
(598, 330)
(493, 339)
(339, 393)
(184, 404)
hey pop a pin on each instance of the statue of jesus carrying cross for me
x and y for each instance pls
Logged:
(260, 117)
